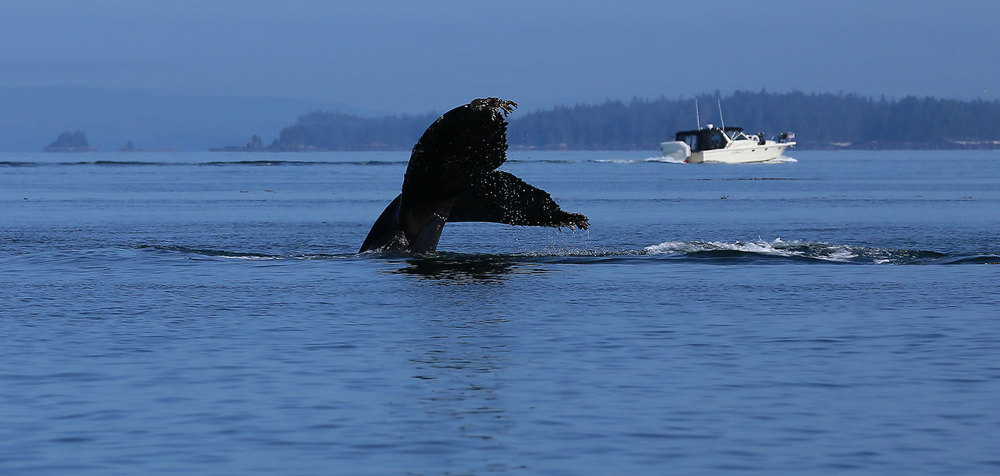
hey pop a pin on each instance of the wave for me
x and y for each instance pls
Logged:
(272, 163)
(71, 164)
(974, 259)
(541, 161)
(776, 251)
(209, 252)
(241, 255)
(762, 251)
(116, 163)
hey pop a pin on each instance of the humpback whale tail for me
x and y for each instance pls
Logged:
(451, 176)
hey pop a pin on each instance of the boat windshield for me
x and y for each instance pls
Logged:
(737, 134)
(714, 140)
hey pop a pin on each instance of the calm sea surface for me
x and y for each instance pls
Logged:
(207, 313)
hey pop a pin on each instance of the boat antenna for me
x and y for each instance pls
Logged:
(723, 121)
(697, 114)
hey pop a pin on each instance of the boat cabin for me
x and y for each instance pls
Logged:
(711, 138)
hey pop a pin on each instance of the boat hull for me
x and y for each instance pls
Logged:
(741, 155)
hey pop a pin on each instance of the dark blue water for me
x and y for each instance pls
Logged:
(207, 313)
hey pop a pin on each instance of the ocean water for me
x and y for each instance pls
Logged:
(207, 313)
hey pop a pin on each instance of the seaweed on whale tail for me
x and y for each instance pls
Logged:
(452, 177)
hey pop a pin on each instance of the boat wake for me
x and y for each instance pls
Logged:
(781, 159)
(663, 160)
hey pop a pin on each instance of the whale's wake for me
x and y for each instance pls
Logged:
(775, 251)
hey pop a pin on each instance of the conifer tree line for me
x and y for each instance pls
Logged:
(818, 120)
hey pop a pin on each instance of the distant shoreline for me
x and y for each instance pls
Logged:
(983, 145)
(820, 121)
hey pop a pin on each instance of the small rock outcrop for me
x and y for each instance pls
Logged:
(70, 142)
(256, 144)
(129, 147)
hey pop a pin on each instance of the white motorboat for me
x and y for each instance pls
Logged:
(728, 145)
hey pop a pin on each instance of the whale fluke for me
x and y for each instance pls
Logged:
(451, 176)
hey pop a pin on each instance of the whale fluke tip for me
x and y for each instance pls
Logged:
(494, 103)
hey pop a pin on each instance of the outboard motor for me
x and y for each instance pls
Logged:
(676, 150)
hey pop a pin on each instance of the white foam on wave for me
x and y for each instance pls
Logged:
(781, 159)
(251, 257)
(675, 247)
(776, 247)
(842, 253)
(662, 160)
(616, 161)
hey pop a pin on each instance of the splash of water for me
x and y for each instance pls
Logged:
(804, 250)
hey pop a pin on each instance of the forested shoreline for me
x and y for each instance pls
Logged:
(820, 121)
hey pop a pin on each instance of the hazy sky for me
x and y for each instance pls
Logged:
(397, 56)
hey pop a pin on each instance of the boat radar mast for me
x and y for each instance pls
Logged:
(723, 121)
(697, 113)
